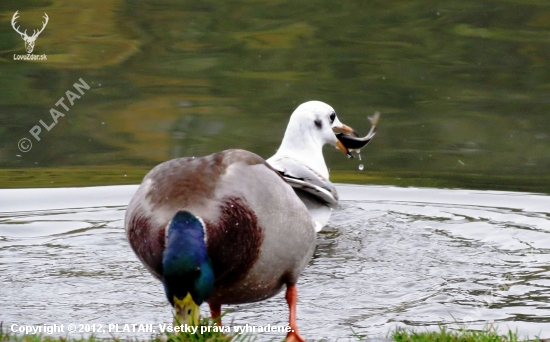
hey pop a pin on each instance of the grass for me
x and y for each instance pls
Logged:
(71, 176)
(539, 184)
(489, 334)
(121, 174)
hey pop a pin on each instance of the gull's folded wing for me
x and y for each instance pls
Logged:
(302, 177)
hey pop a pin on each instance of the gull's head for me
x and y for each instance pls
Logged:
(313, 123)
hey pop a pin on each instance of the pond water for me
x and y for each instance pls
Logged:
(390, 257)
(463, 91)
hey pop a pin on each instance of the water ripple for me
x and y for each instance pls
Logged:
(389, 257)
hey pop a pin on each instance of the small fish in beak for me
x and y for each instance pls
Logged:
(347, 142)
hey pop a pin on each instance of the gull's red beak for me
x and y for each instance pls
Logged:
(345, 129)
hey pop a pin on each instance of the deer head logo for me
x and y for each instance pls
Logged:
(29, 41)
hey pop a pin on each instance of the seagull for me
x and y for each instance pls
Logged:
(300, 159)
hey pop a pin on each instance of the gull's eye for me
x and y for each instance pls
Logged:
(332, 117)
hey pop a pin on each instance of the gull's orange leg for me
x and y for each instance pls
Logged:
(216, 312)
(292, 298)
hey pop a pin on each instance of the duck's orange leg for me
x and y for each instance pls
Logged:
(216, 312)
(292, 299)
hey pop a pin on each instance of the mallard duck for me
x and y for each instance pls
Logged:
(227, 228)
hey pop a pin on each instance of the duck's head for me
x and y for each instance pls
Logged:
(188, 277)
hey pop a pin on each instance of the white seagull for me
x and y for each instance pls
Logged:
(300, 159)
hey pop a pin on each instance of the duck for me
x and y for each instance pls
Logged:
(233, 228)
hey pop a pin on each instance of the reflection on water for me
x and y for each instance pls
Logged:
(389, 257)
(462, 86)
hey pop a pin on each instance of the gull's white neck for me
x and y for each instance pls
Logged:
(299, 144)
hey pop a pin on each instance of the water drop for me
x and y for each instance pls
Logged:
(361, 166)
(359, 156)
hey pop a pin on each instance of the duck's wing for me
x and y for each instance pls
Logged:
(301, 177)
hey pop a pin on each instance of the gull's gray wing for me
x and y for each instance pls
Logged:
(299, 176)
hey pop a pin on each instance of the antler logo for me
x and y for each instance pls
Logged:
(29, 41)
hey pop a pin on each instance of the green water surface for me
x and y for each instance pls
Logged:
(463, 87)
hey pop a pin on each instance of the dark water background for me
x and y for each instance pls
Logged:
(462, 85)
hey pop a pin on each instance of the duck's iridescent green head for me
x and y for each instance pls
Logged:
(187, 271)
